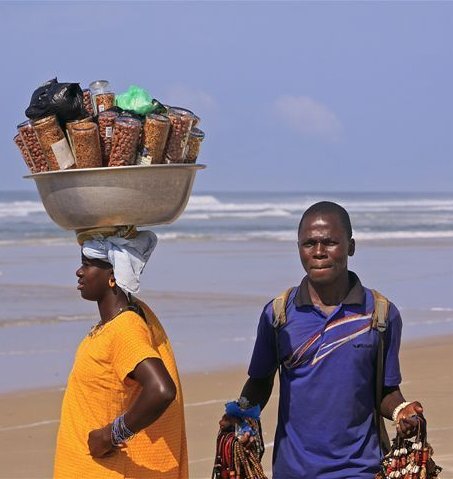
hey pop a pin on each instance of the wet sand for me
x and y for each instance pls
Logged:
(29, 419)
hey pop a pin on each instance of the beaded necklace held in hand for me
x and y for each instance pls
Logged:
(233, 460)
(410, 459)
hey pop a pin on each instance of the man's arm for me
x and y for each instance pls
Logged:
(258, 391)
(407, 417)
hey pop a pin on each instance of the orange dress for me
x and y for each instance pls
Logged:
(99, 390)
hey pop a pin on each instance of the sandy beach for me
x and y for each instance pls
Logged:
(30, 418)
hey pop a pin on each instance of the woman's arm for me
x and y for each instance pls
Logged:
(158, 392)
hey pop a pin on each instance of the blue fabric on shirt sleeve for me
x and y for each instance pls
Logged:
(392, 376)
(264, 357)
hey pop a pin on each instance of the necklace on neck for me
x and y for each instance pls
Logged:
(100, 324)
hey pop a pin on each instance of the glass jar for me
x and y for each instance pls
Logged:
(196, 136)
(25, 153)
(53, 143)
(87, 148)
(155, 134)
(181, 124)
(196, 119)
(88, 101)
(106, 122)
(126, 134)
(28, 136)
(103, 96)
(70, 125)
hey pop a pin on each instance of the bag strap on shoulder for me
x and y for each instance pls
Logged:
(379, 322)
(279, 308)
(380, 312)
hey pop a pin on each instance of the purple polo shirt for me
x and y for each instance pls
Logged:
(325, 424)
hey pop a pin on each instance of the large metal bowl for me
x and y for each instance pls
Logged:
(126, 195)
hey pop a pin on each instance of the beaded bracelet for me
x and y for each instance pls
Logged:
(120, 432)
(398, 409)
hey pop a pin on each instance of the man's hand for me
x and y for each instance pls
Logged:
(228, 423)
(407, 421)
(100, 442)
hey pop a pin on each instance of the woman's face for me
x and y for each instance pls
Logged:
(94, 276)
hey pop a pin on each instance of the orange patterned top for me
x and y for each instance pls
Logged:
(99, 390)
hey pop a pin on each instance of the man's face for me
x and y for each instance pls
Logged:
(324, 248)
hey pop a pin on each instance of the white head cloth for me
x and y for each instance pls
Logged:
(127, 256)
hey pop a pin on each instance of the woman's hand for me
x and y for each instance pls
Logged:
(100, 442)
(407, 421)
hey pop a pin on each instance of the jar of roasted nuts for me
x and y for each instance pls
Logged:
(88, 101)
(28, 136)
(126, 133)
(53, 143)
(103, 96)
(70, 125)
(106, 121)
(196, 119)
(155, 134)
(181, 124)
(25, 153)
(196, 136)
(87, 149)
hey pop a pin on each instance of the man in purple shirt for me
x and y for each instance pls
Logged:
(327, 354)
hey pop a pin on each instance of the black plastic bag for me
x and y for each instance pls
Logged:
(52, 98)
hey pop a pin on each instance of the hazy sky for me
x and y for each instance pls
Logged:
(293, 96)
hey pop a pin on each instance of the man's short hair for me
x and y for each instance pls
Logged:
(331, 208)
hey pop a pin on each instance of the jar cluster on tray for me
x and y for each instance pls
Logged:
(106, 136)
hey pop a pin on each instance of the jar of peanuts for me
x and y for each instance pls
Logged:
(53, 143)
(103, 96)
(70, 125)
(181, 123)
(126, 134)
(88, 101)
(87, 148)
(155, 134)
(25, 153)
(196, 119)
(196, 136)
(28, 136)
(106, 122)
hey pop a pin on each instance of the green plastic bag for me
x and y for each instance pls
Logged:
(135, 99)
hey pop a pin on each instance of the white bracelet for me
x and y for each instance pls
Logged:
(398, 409)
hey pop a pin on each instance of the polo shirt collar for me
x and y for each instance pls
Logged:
(356, 294)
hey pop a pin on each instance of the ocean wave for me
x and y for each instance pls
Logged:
(284, 235)
(15, 209)
(202, 207)
(211, 203)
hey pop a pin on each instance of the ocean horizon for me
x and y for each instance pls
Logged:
(256, 216)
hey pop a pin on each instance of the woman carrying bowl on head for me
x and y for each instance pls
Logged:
(122, 413)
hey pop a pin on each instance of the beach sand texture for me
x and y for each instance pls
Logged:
(30, 419)
(208, 296)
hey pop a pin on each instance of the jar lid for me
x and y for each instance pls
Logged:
(157, 117)
(197, 133)
(24, 123)
(100, 86)
(86, 125)
(109, 114)
(182, 110)
(44, 120)
(128, 119)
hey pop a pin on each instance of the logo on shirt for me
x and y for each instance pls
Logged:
(362, 346)
(341, 332)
